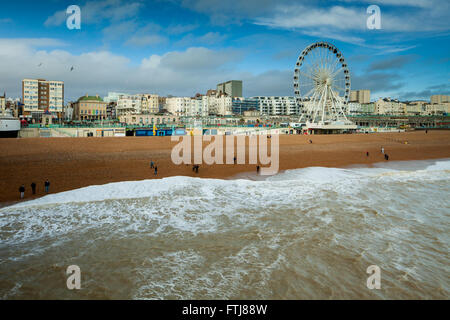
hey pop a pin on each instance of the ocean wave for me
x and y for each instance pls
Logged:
(315, 175)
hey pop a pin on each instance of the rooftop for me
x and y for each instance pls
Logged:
(90, 98)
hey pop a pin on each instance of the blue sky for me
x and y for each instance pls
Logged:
(182, 47)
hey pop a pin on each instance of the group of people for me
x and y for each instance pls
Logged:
(386, 156)
(33, 188)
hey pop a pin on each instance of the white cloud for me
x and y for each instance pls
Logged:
(298, 16)
(209, 38)
(180, 29)
(179, 72)
(354, 18)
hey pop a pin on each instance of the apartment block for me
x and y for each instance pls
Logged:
(232, 88)
(242, 105)
(438, 99)
(39, 95)
(360, 96)
(390, 107)
(274, 106)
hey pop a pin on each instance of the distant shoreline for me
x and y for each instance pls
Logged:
(75, 163)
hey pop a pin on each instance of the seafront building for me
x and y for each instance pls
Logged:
(439, 99)
(356, 108)
(178, 106)
(389, 106)
(149, 120)
(232, 88)
(39, 95)
(129, 104)
(222, 108)
(275, 106)
(201, 105)
(242, 105)
(360, 96)
(90, 108)
(137, 104)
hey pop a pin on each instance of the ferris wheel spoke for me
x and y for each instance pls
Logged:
(307, 75)
(309, 92)
(339, 88)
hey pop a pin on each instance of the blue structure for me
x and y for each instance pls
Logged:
(241, 105)
(148, 132)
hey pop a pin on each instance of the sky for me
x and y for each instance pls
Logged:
(184, 47)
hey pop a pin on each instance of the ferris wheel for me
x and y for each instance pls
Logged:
(322, 84)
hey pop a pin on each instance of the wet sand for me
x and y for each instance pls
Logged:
(72, 163)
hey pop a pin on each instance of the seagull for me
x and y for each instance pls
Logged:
(71, 69)
(40, 64)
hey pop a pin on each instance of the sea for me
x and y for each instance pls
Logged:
(308, 233)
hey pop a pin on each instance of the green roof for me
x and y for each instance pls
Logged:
(90, 98)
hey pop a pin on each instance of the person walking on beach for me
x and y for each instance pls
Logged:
(258, 168)
(367, 153)
(22, 191)
(386, 157)
(234, 160)
(47, 186)
(33, 188)
(152, 165)
(156, 170)
(196, 168)
(382, 150)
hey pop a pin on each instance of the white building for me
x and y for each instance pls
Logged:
(149, 103)
(221, 105)
(113, 97)
(129, 104)
(438, 108)
(439, 99)
(68, 112)
(199, 106)
(274, 106)
(360, 96)
(56, 96)
(178, 106)
(390, 107)
(136, 104)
